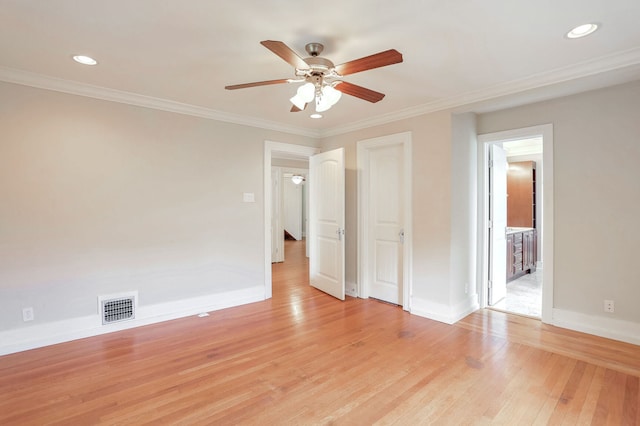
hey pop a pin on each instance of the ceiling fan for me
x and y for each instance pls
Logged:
(322, 79)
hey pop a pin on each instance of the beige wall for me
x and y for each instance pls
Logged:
(464, 209)
(99, 198)
(431, 166)
(597, 195)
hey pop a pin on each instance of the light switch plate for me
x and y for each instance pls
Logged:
(249, 197)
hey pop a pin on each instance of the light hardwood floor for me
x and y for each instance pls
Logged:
(303, 357)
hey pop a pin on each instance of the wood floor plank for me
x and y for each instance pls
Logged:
(303, 357)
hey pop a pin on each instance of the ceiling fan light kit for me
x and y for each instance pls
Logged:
(328, 97)
(297, 179)
(323, 84)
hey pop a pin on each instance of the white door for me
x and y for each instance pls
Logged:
(385, 218)
(326, 222)
(498, 224)
(292, 208)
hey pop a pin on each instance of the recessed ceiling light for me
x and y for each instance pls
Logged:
(582, 30)
(85, 60)
(316, 116)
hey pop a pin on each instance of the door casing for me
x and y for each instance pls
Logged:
(363, 147)
(484, 140)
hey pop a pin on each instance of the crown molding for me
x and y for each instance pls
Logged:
(584, 69)
(41, 81)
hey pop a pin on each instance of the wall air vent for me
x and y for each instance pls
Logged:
(117, 308)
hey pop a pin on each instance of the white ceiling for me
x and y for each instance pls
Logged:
(179, 55)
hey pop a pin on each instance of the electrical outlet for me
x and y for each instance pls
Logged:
(27, 314)
(608, 306)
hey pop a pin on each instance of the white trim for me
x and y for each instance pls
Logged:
(443, 312)
(363, 147)
(587, 68)
(625, 331)
(546, 131)
(39, 335)
(351, 289)
(96, 92)
(591, 67)
(278, 149)
(277, 221)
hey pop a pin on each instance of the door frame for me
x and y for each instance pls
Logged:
(363, 148)
(279, 150)
(277, 199)
(484, 140)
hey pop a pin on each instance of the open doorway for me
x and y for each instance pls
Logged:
(524, 174)
(289, 205)
(279, 151)
(276, 153)
(517, 221)
(326, 215)
(290, 256)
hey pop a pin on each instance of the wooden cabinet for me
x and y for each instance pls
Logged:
(521, 253)
(510, 258)
(522, 243)
(521, 194)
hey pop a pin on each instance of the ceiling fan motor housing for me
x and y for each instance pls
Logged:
(318, 64)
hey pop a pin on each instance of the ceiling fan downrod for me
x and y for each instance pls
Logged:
(314, 49)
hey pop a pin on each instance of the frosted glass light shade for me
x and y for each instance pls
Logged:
(307, 92)
(304, 95)
(332, 94)
(329, 98)
(298, 102)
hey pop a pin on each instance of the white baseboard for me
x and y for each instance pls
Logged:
(351, 289)
(444, 313)
(36, 336)
(611, 328)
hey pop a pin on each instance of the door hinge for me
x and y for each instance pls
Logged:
(340, 233)
(401, 235)
(490, 164)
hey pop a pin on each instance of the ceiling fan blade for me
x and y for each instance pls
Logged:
(359, 92)
(296, 109)
(282, 50)
(257, 83)
(382, 59)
